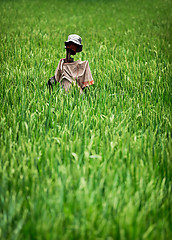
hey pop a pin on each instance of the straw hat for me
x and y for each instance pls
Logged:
(75, 39)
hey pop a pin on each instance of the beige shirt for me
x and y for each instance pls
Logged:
(78, 71)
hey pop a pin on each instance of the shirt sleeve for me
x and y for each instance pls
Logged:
(87, 79)
(59, 70)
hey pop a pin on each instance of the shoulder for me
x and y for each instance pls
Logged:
(61, 62)
(82, 62)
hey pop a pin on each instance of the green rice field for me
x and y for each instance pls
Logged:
(95, 166)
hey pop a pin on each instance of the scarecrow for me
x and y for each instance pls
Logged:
(70, 73)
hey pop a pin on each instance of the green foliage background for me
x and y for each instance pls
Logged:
(94, 166)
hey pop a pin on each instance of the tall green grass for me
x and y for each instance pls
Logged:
(93, 166)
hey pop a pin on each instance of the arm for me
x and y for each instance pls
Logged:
(56, 78)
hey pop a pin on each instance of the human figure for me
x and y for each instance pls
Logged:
(70, 73)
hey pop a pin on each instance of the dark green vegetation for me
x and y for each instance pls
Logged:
(95, 166)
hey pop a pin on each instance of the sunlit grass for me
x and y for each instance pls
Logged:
(93, 166)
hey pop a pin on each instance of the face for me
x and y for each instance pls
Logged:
(72, 46)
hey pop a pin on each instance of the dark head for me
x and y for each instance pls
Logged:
(74, 43)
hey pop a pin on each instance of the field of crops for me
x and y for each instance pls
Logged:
(96, 165)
